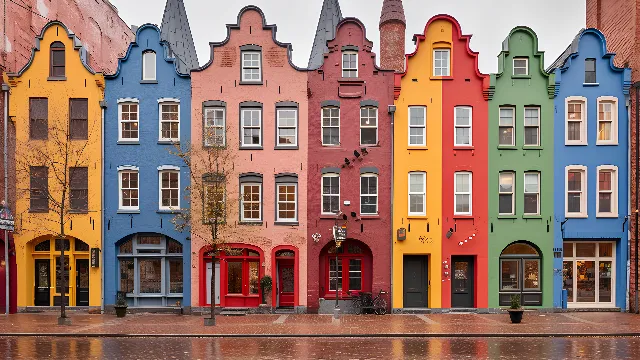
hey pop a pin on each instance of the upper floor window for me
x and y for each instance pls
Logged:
(287, 120)
(607, 121)
(368, 125)
(417, 126)
(463, 126)
(506, 125)
(532, 126)
(214, 126)
(149, 65)
(169, 189)
(251, 127)
(251, 201)
(417, 193)
(532, 193)
(169, 121)
(38, 118)
(506, 198)
(441, 62)
(330, 193)
(128, 119)
(590, 71)
(38, 189)
(576, 190)
(462, 197)
(129, 188)
(330, 126)
(350, 64)
(251, 66)
(576, 129)
(79, 188)
(57, 61)
(78, 119)
(521, 66)
(215, 209)
(607, 200)
(286, 198)
(369, 194)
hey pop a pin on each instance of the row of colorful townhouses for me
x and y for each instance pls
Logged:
(457, 189)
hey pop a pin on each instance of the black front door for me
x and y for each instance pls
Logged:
(415, 281)
(43, 281)
(462, 282)
(82, 282)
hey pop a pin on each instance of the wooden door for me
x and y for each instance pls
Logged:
(415, 281)
(43, 282)
(462, 279)
(286, 283)
(82, 282)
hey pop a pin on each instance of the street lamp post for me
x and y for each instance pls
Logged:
(6, 224)
(339, 235)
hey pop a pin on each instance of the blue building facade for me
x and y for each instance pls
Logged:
(591, 175)
(148, 112)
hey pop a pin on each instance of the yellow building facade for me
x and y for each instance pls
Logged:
(417, 198)
(55, 104)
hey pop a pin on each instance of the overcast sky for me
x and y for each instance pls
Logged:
(555, 21)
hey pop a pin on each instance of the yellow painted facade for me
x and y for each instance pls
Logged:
(419, 87)
(32, 228)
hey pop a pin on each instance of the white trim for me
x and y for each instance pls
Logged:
(242, 218)
(120, 121)
(243, 67)
(526, 59)
(614, 120)
(583, 192)
(242, 126)
(322, 126)
(423, 193)
(369, 175)
(160, 121)
(322, 195)
(168, 167)
(614, 191)
(350, 69)
(596, 259)
(175, 100)
(525, 126)
(524, 190)
(456, 126)
(295, 127)
(144, 65)
(512, 126)
(455, 192)
(128, 100)
(512, 192)
(160, 172)
(442, 68)
(295, 202)
(369, 126)
(423, 127)
(214, 109)
(129, 169)
(583, 120)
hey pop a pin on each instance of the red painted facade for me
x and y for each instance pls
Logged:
(13, 278)
(465, 88)
(368, 236)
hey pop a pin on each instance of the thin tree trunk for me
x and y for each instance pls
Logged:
(63, 313)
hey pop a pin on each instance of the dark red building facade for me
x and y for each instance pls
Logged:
(349, 171)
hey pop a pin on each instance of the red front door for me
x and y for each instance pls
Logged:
(286, 282)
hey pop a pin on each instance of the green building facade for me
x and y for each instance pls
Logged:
(521, 115)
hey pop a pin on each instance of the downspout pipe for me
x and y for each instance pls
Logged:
(103, 106)
(392, 111)
(628, 217)
(5, 90)
(636, 85)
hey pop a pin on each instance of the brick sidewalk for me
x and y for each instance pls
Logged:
(534, 323)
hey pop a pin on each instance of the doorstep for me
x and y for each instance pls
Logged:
(42, 309)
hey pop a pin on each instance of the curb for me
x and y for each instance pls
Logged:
(387, 335)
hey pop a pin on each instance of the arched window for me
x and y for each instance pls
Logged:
(520, 273)
(149, 65)
(56, 68)
(347, 269)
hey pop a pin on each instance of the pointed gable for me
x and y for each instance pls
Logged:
(330, 16)
(176, 31)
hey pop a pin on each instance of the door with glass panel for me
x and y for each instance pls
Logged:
(589, 273)
(520, 273)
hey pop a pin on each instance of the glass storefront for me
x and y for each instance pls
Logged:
(520, 273)
(588, 273)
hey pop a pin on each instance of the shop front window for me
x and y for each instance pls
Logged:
(348, 271)
(520, 273)
(243, 271)
(589, 273)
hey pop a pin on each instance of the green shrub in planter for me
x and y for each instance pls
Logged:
(266, 284)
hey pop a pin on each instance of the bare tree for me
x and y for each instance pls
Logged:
(52, 167)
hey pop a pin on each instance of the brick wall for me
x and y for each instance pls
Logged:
(619, 21)
(392, 36)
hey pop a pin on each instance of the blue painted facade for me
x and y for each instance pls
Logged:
(151, 264)
(590, 227)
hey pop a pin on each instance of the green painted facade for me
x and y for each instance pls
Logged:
(519, 91)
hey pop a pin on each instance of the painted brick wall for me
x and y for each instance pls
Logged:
(392, 35)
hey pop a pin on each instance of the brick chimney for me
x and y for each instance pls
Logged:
(392, 35)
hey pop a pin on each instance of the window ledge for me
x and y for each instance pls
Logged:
(576, 143)
(286, 223)
(463, 147)
(369, 217)
(250, 223)
(463, 216)
(250, 82)
(507, 147)
(328, 216)
(128, 142)
(606, 143)
(409, 148)
(532, 217)
(57, 78)
(417, 217)
(78, 211)
(251, 148)
(37, 211)
(370, 145)
(441, 78)
(605, 215)
(148, 81)
(168, 211)
(128, 211)
(168, 142)
(350, 80)
(331, 146)
(590, 84)
(521, 76)
(507, 217)
(576, 216)
(286, 147)
(532, 147)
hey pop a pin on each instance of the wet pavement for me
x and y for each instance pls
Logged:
(320, 348)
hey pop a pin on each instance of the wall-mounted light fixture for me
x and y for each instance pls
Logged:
(356, 154)
(449, 233)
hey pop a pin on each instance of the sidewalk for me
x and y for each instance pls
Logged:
(433, 325)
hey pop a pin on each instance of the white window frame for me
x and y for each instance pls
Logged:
(369, 175)
(127, 169)
(614, 191)
(167, 169)
(583, 191)
(128, 101)
(572, 303)
(614, 120)
(526, 59)
(214, 126)
(146, 54)
(322, 195)
(349, 69)
(456, 126)
(259, 67)
(242, 218)
(512, 192)
(537, 193)
(242, 126)
(456, 192)
(423, 193)
(583, 120)
(295, 127)
(513, 125)
(525, 126)
(442, 68)
(323, 127)
(369, 126)
(295, 211)
(167, 101)
(423, 126)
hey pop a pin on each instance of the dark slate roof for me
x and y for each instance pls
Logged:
(176, 31)
(571, 49)
(330, 16)
(392, 10)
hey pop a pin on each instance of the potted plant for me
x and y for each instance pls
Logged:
(265, 284)
(121, 305)
(516, 310)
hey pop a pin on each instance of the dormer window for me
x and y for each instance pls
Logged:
(350, 64)
(441, 62)
(251, 66)
(590, 71)
(57, 60)
(149, 66)
(521, 66)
